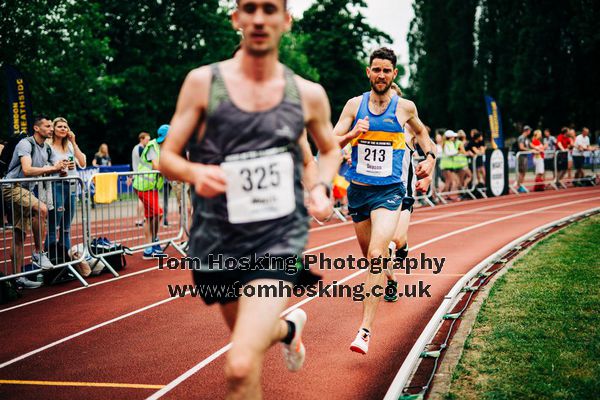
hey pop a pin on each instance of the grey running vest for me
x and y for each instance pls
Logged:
(230, 132)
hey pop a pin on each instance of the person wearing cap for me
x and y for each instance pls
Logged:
(147, 186)
(524, 145)
(447, 164)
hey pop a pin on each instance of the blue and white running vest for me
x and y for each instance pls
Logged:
(377, 154)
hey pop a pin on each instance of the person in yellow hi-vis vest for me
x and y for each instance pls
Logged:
(147, 186)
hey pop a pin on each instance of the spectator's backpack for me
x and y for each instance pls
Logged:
(8, 290)
(7, 152)
(9, 149)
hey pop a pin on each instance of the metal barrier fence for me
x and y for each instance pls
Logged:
(527, 162)
(560, 164)
(466, 190)
(42, 219)
(135, 219)
(590, 169)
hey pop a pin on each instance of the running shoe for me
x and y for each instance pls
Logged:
(522, 189)
(294, 353)
(41, 260)
(391, 291)
(27, 284)
(401, 253)
(361, 342)
(149, 253)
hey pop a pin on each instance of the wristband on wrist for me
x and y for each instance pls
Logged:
(430, 153)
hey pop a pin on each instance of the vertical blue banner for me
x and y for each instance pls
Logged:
(19, 102)
(495, 122)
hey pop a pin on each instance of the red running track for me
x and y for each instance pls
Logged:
(126, 338)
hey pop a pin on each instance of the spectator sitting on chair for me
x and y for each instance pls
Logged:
(147, 187)
(32, 157)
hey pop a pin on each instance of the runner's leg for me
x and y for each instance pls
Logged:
(383, 225)
(257, 327)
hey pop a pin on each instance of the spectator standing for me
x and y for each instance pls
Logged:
(581, 150)
(571, 135)
(563, 144)
(550, 145)
(450, 149)
(32, 157)
(136, 152)
(461, 162)
(538, 158)
(476, 149)
(147, 187)
(102, 158)
(64, 147)
(524, 145)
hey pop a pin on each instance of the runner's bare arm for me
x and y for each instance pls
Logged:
(209, 180)
(318, 115)
(342, 129)
(311, 169)
(408, 109)
(318, 123)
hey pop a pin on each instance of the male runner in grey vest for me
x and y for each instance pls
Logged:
(242, 122)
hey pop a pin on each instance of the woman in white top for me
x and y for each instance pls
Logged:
(64, 147)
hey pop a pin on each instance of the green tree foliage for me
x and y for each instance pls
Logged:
(338, 38)
(155, 45)
(442, 54)
(534, 57)
(114, 68)
(62, 48)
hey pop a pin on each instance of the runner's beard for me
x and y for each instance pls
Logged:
(380, 92)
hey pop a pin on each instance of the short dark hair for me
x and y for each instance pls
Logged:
(38, 119)
(284, 3)
(476, 136)
(384, 53)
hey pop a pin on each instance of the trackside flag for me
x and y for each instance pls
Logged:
(19, 102)
(495, 122)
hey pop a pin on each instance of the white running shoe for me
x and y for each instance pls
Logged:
(28, 284)
(294, 353)
(41, 260)
(361, 342)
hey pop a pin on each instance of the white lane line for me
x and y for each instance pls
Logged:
(171, 385)
(78, 289)
(77, 334)
(448, 215)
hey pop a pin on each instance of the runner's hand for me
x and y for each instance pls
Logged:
(319, 205)
(362, 126)
(423, 184)
(425, 167)
(209, 180)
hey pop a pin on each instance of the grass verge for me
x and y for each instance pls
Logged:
(537, 336)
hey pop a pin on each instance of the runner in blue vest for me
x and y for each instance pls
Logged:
(373, 123)
(242, 121)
